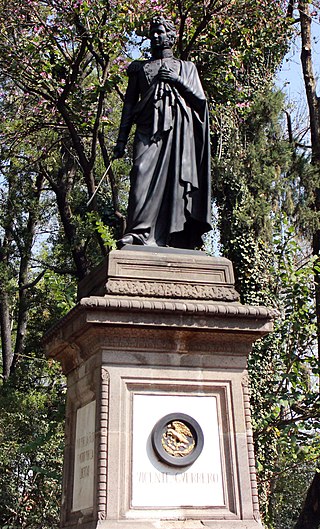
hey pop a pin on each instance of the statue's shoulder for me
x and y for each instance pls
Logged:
(135, 67)
(189, 68)
(189, 65)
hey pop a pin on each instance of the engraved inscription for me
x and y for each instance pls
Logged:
(194, 478)
(84, 458)
(85, 454)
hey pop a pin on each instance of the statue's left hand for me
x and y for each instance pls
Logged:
(167, 75)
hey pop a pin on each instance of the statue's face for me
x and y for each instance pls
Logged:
(158, 37)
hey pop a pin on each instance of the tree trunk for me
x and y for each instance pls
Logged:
(113, 184)
(314, 117)
(309, 79)
(6, 342)
(78, 252)
(310, 515)
(25, 257)
(5, 317)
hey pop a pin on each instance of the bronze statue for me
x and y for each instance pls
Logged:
(169, 199)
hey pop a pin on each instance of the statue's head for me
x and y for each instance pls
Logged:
(162, 33)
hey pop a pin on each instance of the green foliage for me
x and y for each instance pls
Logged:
(290, 487)
(241, 50)
(258, 194)
(104, 231)
(252, 180)
(284, 373)
(31, 447)
(32, 418)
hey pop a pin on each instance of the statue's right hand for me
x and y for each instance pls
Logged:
(167, 75)
(118, 151)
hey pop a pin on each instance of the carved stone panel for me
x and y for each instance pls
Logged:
(84, 456)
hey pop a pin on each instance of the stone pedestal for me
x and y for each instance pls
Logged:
(158, 333)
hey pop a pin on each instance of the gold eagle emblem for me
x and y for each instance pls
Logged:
(177, 439)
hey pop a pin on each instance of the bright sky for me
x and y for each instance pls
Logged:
(289, 78)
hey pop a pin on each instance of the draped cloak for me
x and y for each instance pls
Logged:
(169, 198)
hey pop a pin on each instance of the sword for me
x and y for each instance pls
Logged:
(102, 179)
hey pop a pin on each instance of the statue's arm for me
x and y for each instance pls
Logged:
(130, 100)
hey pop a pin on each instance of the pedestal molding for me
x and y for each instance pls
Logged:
(157, 311)
(171, 305)
(103, 445)
(250, 444)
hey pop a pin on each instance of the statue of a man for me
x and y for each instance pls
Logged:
(169, 199)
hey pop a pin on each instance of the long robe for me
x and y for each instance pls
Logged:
(169, 199)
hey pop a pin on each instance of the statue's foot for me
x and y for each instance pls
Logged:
(139, 239)
(131, 238)
(126, 239)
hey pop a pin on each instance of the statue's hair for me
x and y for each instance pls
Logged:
(158, 20)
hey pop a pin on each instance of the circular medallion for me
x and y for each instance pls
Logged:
(177, 439)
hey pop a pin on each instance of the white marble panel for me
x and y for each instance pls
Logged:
(155, 484)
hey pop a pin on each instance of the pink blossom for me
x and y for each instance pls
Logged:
(244, 104)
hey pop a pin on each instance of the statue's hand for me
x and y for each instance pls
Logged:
(118, 151)
(167, 75)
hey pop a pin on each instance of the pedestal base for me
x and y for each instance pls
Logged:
(183, 524)
(152, 341)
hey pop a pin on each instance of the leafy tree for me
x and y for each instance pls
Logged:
(31, 422)
(303, 13)
(258, 190)
(31, 438)
(18, 228)
(60, 61)
(61, 65)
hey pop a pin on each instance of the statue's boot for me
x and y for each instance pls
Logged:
(133, 238)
